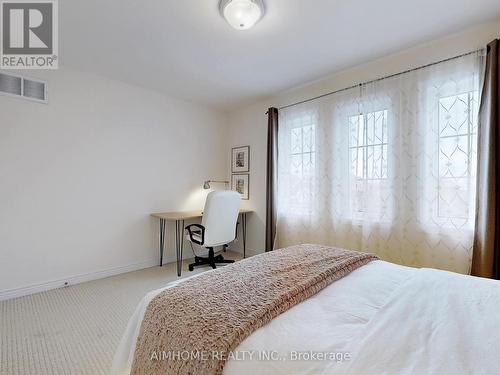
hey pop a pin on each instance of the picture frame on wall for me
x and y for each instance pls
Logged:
(240, 159)
(241, 184)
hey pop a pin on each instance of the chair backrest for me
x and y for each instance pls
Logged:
(220, 217)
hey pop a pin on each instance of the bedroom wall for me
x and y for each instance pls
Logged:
(80, 176)
(248, 125)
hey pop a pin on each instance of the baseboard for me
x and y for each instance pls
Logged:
(54, 284)
(249, 253)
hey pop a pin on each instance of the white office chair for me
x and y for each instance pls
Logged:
(218, 228)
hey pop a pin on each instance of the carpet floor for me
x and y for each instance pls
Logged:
(75, 330)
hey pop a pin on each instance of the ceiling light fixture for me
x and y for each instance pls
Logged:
(242, 14)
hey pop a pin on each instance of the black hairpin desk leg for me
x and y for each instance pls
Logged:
(179, 243)
(244, 230)
(162, 239)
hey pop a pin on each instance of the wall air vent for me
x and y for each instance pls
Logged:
(21, 87)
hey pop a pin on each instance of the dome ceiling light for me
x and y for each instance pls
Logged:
(242, 14)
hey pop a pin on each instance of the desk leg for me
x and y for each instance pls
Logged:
(162, 239)
(179, 243)
(244, 230)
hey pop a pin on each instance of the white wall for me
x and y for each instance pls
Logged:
(248, 125)
(80, 176)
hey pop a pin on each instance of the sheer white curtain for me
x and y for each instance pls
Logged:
(388, 167)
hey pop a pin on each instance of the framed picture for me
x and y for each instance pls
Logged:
(240, 183)
(240, 159)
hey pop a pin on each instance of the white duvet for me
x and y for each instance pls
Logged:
(380, 319)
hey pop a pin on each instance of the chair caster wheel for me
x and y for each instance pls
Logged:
(191, 268)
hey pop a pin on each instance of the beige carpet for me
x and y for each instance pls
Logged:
(75, 330)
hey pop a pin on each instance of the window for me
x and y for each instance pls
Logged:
(302, 151)
(392, 169)
(457, 155)
(368, 162)
(302, 162)
(368, 145)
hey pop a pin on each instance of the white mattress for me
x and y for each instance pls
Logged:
(381, 318)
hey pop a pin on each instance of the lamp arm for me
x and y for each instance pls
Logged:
(206, 184)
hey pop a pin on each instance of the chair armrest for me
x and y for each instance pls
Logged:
(191, 232)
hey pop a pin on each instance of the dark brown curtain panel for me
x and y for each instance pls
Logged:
(272, 177)
(486, 253)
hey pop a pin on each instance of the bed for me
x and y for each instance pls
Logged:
(380, 318)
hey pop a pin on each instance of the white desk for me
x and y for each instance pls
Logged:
(179, 218)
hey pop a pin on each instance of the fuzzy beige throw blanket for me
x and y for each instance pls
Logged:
(193, 327)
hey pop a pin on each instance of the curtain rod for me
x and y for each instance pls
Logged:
(380, 79)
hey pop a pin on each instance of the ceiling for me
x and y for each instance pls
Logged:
(185, 49)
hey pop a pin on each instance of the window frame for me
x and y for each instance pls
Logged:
(384, 144)
(363, 213)
(472, 96)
